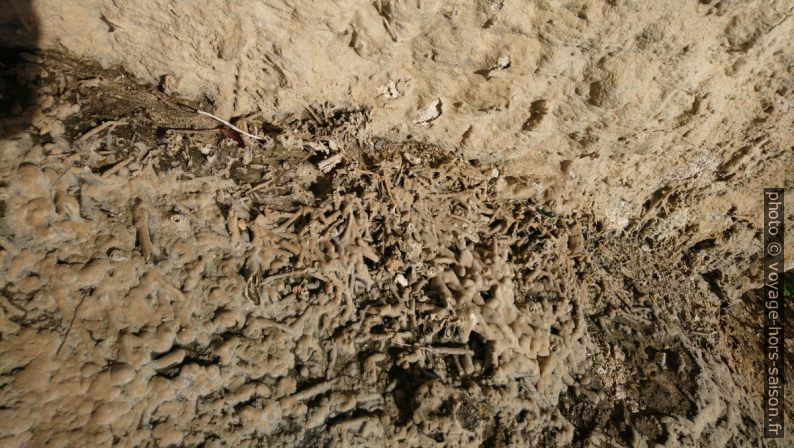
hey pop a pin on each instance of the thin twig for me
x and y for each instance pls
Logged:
(100, 128)
(264, 184)
(221, 120)
(74, 317)
(313, 114)
(195, 131)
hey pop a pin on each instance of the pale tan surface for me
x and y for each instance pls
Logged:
(649, 128)
(639, 96)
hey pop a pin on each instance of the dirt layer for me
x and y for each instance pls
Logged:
(167, 281)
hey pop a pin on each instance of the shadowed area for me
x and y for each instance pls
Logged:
(19, 34)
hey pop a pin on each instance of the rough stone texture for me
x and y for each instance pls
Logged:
(662, 121)
(606, 105)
